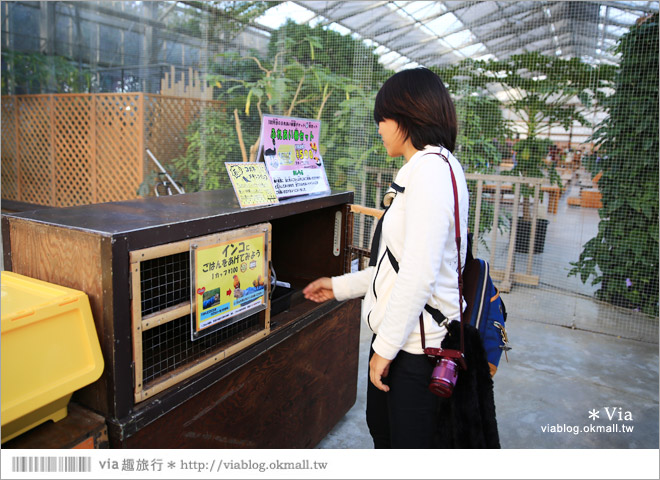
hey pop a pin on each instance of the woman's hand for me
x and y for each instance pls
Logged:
(320, 290)
(379, 368)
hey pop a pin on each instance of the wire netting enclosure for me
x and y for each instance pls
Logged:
(562, 93)
(168, 346)
(165, 282)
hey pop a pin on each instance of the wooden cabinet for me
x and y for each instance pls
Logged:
(280, 378)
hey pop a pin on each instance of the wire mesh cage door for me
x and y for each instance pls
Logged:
(165, 349)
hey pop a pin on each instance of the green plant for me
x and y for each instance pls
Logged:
(482, 129)
(541, 92)
(33, 73)
(623, 257)
(211, 142)
(299, 77)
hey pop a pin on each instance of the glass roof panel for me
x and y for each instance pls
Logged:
(441, 32)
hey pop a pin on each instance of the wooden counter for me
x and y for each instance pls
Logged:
(303, 363)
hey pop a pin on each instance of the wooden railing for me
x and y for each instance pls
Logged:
(492, 188)
(508, 275)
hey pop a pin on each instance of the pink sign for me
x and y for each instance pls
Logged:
(293, 159)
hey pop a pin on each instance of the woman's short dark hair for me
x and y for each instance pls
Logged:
(420, 104)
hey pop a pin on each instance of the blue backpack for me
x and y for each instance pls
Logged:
(485, 309)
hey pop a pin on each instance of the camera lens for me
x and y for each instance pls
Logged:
(444, 377)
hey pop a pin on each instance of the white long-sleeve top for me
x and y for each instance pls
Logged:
(419, 231)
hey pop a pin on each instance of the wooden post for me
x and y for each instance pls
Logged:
(532, 234)
(140, 131)
(496, 221)
(17, 133)
(507, 282)
(477, 217)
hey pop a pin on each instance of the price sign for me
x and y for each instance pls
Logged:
(251, 184)
(291, 152)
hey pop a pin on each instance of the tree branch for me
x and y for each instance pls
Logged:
(239, 134)
(259, 65)
(325, 99)
(295, 96)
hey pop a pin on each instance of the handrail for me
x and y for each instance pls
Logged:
(508, 275)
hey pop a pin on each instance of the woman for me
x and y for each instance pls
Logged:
(417, 120)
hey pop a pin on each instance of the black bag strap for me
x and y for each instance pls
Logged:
(435, 313)
(375, 241)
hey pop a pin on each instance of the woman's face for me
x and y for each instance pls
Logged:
(392, 138)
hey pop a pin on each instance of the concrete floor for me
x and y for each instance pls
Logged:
(554, 378)
(572, 356)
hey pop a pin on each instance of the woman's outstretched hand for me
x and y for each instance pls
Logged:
(320, 290)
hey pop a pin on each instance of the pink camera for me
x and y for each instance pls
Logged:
(444, 377)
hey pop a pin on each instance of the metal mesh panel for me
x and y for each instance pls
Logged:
(328, 62)
(168, 346)
(165, 282)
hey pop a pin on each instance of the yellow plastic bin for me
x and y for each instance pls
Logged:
(49, 350)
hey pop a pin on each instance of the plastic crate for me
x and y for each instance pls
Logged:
(49, 350)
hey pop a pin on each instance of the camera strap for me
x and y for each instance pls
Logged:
(457, 354)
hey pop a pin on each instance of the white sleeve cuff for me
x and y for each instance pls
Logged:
(384, 349)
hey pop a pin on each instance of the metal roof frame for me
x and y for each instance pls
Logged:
(489, 29)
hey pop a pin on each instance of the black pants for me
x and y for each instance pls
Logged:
(404, 417)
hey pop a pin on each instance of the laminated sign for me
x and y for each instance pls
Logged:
(251, 184)
(230, 278)
(290, 149)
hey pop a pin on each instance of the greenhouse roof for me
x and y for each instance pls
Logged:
(409, 33)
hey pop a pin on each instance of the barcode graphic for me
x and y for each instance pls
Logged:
(51, 464)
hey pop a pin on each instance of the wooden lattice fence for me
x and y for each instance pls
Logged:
(74, 149)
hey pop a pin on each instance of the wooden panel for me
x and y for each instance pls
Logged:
(34, 138)
(52, 254)
(303, 246)
(76, 149)
(73, 128)
(289, 397)
(68, 258)
(118, 146)
(167, 126)
(591, 198)
(81, 428)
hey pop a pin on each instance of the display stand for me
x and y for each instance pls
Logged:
(279, 378)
